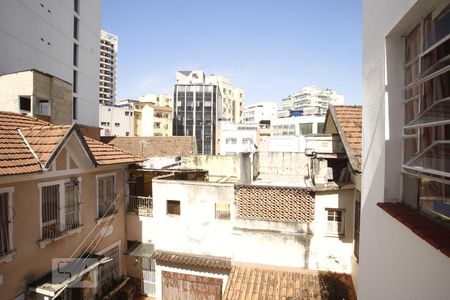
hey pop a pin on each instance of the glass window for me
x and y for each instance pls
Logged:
(335, 222)
(44, 107)
(306, 128)
(5, 225)
(106, 196)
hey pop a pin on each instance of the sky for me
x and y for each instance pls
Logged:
(271, 49)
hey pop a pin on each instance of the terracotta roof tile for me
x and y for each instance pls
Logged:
(10, 120)
(348, 119)
(15, 156)
(265, 282)
(19, 133)
(273, 203)
(105, 154)
(44, 139)
(192, 259)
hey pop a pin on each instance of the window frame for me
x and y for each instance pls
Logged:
(218, 216)
(337, 233)
(10, 191)
(100, 176)
(419, 87)
(62, 228)
(172, 213)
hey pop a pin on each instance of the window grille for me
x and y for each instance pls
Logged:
(5, 225)
(106, 197)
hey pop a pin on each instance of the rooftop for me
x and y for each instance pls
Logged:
(348, 121)
(29, 145)
(267, 282)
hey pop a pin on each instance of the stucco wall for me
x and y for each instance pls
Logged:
(284, 163)
(394, 263)
(31, 262)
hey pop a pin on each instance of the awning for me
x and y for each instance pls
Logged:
(69, 273)
(140, 249)
(192, 260)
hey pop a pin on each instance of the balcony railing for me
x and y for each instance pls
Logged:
(140, 205)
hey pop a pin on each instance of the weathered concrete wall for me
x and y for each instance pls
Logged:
(156, 146)
(284, 163)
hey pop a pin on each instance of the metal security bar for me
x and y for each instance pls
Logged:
(5, 224)
(141, 205)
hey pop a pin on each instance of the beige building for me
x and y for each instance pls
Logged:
(61, 210)
(152, 115)
(37, 94)
(232, 97)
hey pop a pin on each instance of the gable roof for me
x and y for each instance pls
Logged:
(348, 122)
(29, 145)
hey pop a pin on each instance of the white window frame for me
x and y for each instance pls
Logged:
(97, 177)
(62, 202)
(335, 233)
(10, 192)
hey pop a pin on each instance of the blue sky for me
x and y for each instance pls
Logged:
(269, 48)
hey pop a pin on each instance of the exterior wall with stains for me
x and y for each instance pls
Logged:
(32, 259)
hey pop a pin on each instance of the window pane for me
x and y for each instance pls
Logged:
(435, 199)
(437, 158)
(412, 47)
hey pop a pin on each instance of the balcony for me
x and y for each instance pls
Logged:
(140, 205)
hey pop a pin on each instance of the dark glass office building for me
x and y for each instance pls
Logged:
(196, 113)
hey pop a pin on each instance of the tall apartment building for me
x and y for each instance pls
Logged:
(200, 102)
(254, 113)
(108, 67)
(59, 38)
(405, 203)
(313, 100)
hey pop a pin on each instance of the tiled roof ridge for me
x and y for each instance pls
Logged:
(50, 126)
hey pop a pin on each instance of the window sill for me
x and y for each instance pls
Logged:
(106, 218)
(334, 235)
(43, 243)
(8, 257)
(431, 232)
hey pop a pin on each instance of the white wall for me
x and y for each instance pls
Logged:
(394, 262)
(239, 132)
(195, 230)
(113, 115)
(35, 37)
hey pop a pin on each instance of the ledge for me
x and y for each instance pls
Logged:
(43, 243)
(431, 232)
(6, 258)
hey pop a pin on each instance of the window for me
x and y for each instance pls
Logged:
(230, 140)
(75, 81)
(320, 127)
(25, 103)
(75, 54)
(247, 141)
(60, 208)
(76, 6)
(306, 128)
(127, 133)
(117, 124)
(426, 129)
(109, 272)
(222, 211)
(127, 113)
(75, 27)
(75, 108)
(173, 207)
(6, 240)
(357, 224)
(44, 107)
(106, 201)
(335, 222)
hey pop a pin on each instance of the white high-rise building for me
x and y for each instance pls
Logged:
(312, 98)
(60, 38)
(256, 112)
(108, 67)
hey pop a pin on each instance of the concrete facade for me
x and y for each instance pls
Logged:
(47, 42)
(254, 113)
(49, 98)
(116, 121)
(391, 255)
(237, 138)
